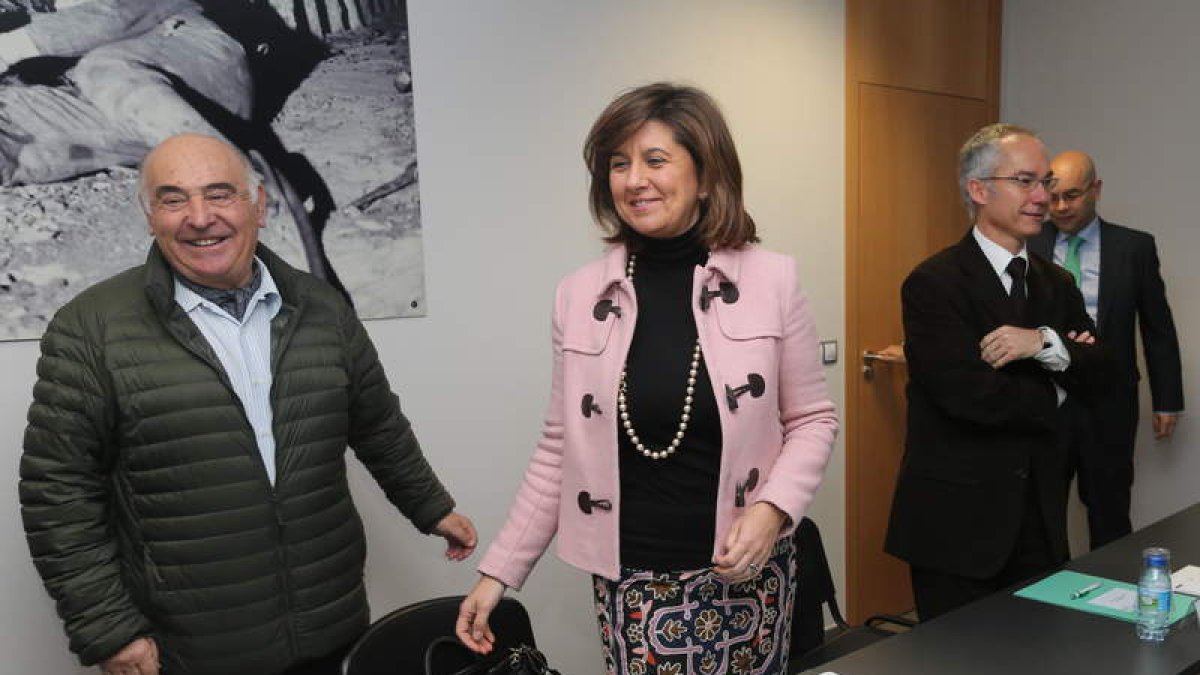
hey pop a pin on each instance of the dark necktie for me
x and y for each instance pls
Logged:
(1016, 269)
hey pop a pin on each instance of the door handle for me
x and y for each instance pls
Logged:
(889, 354)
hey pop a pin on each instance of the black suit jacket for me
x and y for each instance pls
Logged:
(978, 436)
(1132, 291)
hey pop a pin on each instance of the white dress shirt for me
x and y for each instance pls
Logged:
(1054, 357)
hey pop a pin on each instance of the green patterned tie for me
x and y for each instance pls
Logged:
(1071, 261)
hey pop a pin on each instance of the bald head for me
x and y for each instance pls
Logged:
(178, 148)
(1074, 162)
(1073, 202)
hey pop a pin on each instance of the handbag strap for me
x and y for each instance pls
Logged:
(520, 660)
(446, 642)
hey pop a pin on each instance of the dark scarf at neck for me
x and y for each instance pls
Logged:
(232, 300)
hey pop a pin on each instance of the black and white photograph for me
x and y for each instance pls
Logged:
(317, 93)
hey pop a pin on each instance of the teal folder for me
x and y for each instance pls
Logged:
(1057, 588)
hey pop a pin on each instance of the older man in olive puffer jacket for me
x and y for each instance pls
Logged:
(183, 482)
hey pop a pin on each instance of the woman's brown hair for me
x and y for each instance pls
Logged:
(698, 126)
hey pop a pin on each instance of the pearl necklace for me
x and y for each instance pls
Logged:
(623, 405)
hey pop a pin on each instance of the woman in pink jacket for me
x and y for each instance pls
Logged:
(688, 425)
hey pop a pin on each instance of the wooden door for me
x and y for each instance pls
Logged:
(922, 76)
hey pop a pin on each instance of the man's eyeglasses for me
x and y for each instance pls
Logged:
(215, 197)
(1071, 196)
(1027, 182)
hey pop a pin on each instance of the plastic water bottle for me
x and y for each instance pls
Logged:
(1154, 595)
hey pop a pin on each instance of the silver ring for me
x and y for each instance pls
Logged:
(754, 567)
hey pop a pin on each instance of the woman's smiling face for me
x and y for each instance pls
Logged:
(654, 183)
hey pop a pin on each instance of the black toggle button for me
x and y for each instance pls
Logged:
(755, 385)
(739, 499)
(588, 406)
(726, 290)
(603, 308)
(586, 503)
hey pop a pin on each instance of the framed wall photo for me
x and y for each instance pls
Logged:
(318, 93)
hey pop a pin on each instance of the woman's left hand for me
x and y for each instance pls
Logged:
(750, 542)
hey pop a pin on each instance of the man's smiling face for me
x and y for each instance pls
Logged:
(201, 210)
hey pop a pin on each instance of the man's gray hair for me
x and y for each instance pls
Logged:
(978, 157)
(253, 178)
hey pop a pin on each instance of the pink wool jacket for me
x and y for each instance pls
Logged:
(777, 422)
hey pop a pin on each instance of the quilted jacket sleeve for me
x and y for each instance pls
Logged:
(65, 495)
(383, 438)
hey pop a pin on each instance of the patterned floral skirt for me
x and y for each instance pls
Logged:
(695, 623)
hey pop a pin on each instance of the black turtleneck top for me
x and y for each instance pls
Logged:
(668, 506)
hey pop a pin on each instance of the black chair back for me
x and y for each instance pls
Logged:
(814, 590)
(396, 643)
(813, 645)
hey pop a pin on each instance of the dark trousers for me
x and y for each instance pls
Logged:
(938, 592)
(1100, 444)
(325, 665)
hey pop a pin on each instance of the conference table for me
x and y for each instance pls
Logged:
(1004, 634)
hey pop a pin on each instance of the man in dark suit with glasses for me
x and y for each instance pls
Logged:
(1117, 271)
(995, 340)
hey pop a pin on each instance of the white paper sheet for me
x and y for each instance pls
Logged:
(1123, 599)
(1186, 579)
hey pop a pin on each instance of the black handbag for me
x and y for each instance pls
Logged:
(446, 656)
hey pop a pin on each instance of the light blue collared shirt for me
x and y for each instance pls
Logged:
(1089, 263)
(244, 349)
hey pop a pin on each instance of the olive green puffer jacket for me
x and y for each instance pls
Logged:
(145, 502)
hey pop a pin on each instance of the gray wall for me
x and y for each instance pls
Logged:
(505, 92)
(1119, 79)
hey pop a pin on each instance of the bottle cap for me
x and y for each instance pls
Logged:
(1157, 556)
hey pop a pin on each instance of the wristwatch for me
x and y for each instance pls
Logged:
(1047, 342)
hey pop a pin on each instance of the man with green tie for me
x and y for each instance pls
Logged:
(1117, 271)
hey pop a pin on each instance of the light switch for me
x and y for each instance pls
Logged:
(829, 352)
